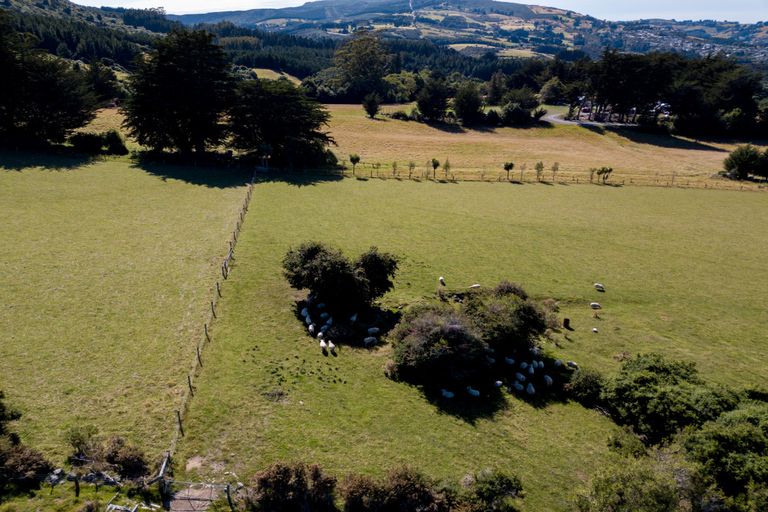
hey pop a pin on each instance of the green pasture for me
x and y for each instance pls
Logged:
(106, 268)
(684, 271)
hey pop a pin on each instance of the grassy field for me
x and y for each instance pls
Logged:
(637, 158)
(685, 275)
(106, 269)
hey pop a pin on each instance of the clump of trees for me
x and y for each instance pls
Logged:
(477, 340)
(345, 286)
(297, 487)
(109, 143)
(42, 98)
(21, 467)
(167, 110)
(746, 161)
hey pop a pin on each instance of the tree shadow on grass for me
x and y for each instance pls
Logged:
(49, 158)
(469, 409)
(651, 138)
(218, 171)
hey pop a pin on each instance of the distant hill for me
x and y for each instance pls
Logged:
(507, 29)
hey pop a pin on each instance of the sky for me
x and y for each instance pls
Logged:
(746, 11)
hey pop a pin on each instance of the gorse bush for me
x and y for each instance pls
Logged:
(494, 491)
(113, 453)
(585, 387)
(20, 466)
(291, 488)
(345, 286)
(403, 490)
(657, 397)
(438, 346)
(746, 160)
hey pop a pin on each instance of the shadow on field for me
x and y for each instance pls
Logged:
(469, 410)
(662, 140)
(224, 174)
(52, 159)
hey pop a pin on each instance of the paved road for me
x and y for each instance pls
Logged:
(558, 119)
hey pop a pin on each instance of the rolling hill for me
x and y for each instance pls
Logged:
(507, 29)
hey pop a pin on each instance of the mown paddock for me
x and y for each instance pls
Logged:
(106, 270)
(479, 154)
(684, 274)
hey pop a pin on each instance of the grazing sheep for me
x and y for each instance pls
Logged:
(498, 383)
(509, 360)
(523, 365)
(519, 386)
(446, 393)
(548, 380)
(541, 364)
(594, 330)
(324, 315)
(370, 340)
(491, 360)
(572, 364)
(474, 287)
(599, 287)
(329, 321)
(530, 389)
(331, 346)
(531, 370)
(353, 318)
(325, 328)
(305, 312)
(519, 376)
(536, 351)
(374, 331)
(323, 345)
(308, 320)
(595, 305)
(472, 391)
(320, 335)
(321, 305)
(558, 363)
(312, 329)
(442, 280)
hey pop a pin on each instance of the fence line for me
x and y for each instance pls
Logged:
(181, 410)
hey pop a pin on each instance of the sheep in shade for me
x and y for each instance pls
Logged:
(472, 391)
(548, 380)
(373, 331)
(509, 360)
(519, 376)
(370, 340)
(447, 394)
(530, 389)
(519, 387)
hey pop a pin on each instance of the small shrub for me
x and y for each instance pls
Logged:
(624, 442)
(406, 489)
(22, 466)
(114, 143)
(492, 118)
(128, 460)
(437, 346)
(538, 113)
(372, 104)
(400, 115)
(506, 288)
(633, 486)
(82, 440)
(84, 142)
(494, 491)
(362, 494)
(585, 387)
(746, 160)
(291, 488)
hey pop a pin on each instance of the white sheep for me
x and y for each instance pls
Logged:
(595, 305)
(370, 340)
(442, 280)
(472, 391)
(548, 380)
(530, 389)
(320, 335)
(594, 330)
(509, 360)
(353, 318)
(599, 287)
(305, 312)
(572, 364)
(312, 329)
(331, 346)
(323, 345)
(498, 383)
(474, 287)
(373, 331)
(519, 376)
(446, 393)
(518, 386)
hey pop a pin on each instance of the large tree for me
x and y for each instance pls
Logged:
(432, 99)
(178, 94)
(42, 98)
(275, 118)
(363, 63)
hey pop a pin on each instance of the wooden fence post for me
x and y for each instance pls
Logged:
(178, 418)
